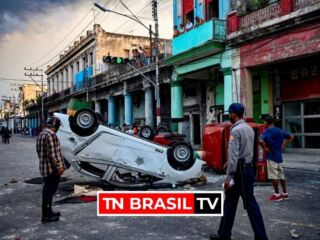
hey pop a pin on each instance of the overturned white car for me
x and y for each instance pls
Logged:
(121, 159)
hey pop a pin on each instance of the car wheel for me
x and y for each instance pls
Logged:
(180, 156)
(84, 122)
(147, 132)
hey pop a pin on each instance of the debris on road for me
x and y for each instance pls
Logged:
(13, 180)
(293, 234)
(85, 190)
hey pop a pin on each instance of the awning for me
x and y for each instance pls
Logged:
(187, 6)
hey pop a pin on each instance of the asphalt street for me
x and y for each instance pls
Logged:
(20, 207)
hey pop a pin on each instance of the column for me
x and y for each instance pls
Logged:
(111, 111)
(176, 103)
(66, 78)
(227, 96)
(128, 109)
(149, 107)
(246, 94)
(97, 107)
(70, 76)
(49, 87)
(58, 82)
(148, 104)
(223, 9)
(266, 89)
(37, 121)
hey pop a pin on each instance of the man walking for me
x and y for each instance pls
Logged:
(7, 135)
(274, 140)
(240, 178)
(51, 166)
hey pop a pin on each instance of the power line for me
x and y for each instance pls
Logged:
(14, 79)
(125, 23)
(63, 39)
(84, 29)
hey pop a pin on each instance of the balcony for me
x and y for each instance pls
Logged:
(269, 15)
(213, 30)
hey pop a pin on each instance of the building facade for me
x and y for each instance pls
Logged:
(201, 83)
(92, 70)
(276, 63)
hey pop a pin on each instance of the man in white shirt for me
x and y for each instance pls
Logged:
(189, 25)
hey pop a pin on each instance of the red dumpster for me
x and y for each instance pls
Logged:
(215, 148)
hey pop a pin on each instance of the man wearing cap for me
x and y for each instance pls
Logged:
(51, 166)
(240, 171)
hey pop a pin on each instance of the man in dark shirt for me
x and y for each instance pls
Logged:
(50, 165)
(274, 140)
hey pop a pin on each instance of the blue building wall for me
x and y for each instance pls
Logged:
(213, 29)
(224, 6)
(199, 11)
(193, 38)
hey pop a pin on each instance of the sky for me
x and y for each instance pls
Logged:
(33, 33)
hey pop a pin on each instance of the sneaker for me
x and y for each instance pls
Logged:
(275, 198)
(285, 196)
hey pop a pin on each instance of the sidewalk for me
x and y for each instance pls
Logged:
(302, 161)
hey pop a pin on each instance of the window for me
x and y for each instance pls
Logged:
(84, 63)
(188, 13)
(211, 9)
(91, 58)
(301, 118)
(312, 108)
(292, 109)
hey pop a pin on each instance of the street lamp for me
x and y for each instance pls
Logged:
(156, 35)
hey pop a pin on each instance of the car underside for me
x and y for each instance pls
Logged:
(121, 159)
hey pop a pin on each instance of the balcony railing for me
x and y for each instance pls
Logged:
(259, 16)
(272, 11)
(298, 4)
(208, 31)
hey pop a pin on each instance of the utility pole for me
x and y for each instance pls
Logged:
(151, 47)
(35, 72)
(156, 46)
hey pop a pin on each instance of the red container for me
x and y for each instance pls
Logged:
(215, 144)
(215, 147)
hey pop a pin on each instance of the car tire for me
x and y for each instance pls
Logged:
(180, 156)
(147, 132)
(84, 122)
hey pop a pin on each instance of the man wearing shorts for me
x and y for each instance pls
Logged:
(274, 140)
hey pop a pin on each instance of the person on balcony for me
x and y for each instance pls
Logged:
(181, 29)
(175, 31)
(189, 25)
(199, 21)
(142, 55)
